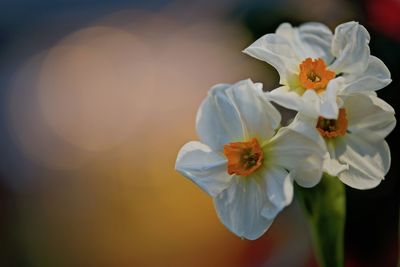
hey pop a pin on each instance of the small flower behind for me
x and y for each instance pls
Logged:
(357, 152)
(316, 66)
(244, 162)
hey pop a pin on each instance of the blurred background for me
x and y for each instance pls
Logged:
(97, 97)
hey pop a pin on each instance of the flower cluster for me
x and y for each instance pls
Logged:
(247, 162)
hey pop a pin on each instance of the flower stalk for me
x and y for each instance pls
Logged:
(325, 209)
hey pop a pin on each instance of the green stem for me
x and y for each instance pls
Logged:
(325, 207)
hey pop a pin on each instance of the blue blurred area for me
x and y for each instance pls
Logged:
(44, 22)
(29, 27)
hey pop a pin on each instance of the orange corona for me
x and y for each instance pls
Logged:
(333, 128)
(244, 158)
(314, 74)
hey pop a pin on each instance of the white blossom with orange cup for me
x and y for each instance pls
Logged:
(357, 151)
(243, 161)
(316, 66)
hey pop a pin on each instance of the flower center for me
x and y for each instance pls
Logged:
(314, 74)
(333, 128)
(244, 158)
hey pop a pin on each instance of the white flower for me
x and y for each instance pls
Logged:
(357, 152)
(316, 66)
(243, 162)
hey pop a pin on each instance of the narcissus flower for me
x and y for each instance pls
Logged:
(243, 161)
(315, 66)
(357, 152)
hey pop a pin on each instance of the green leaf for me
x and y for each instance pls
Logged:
(325, 207)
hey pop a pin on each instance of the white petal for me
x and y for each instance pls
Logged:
(369, 117)
(309, 172)
(310, 104)
(375, 77)
(279, 187)
(277, 51)
(368, 162)
(309, 40)
(350, 47)
(237, 112)
(239, 208)
(259, 87)
(296, 152)
(258, 115)
(380, 103)
(206, 168)
(306, 126)
(218, 121)
(334, 167)
(285, 97)
(319, 38)
(329, 105)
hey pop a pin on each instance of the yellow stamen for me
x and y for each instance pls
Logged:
(314, 74)
(244, 158)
